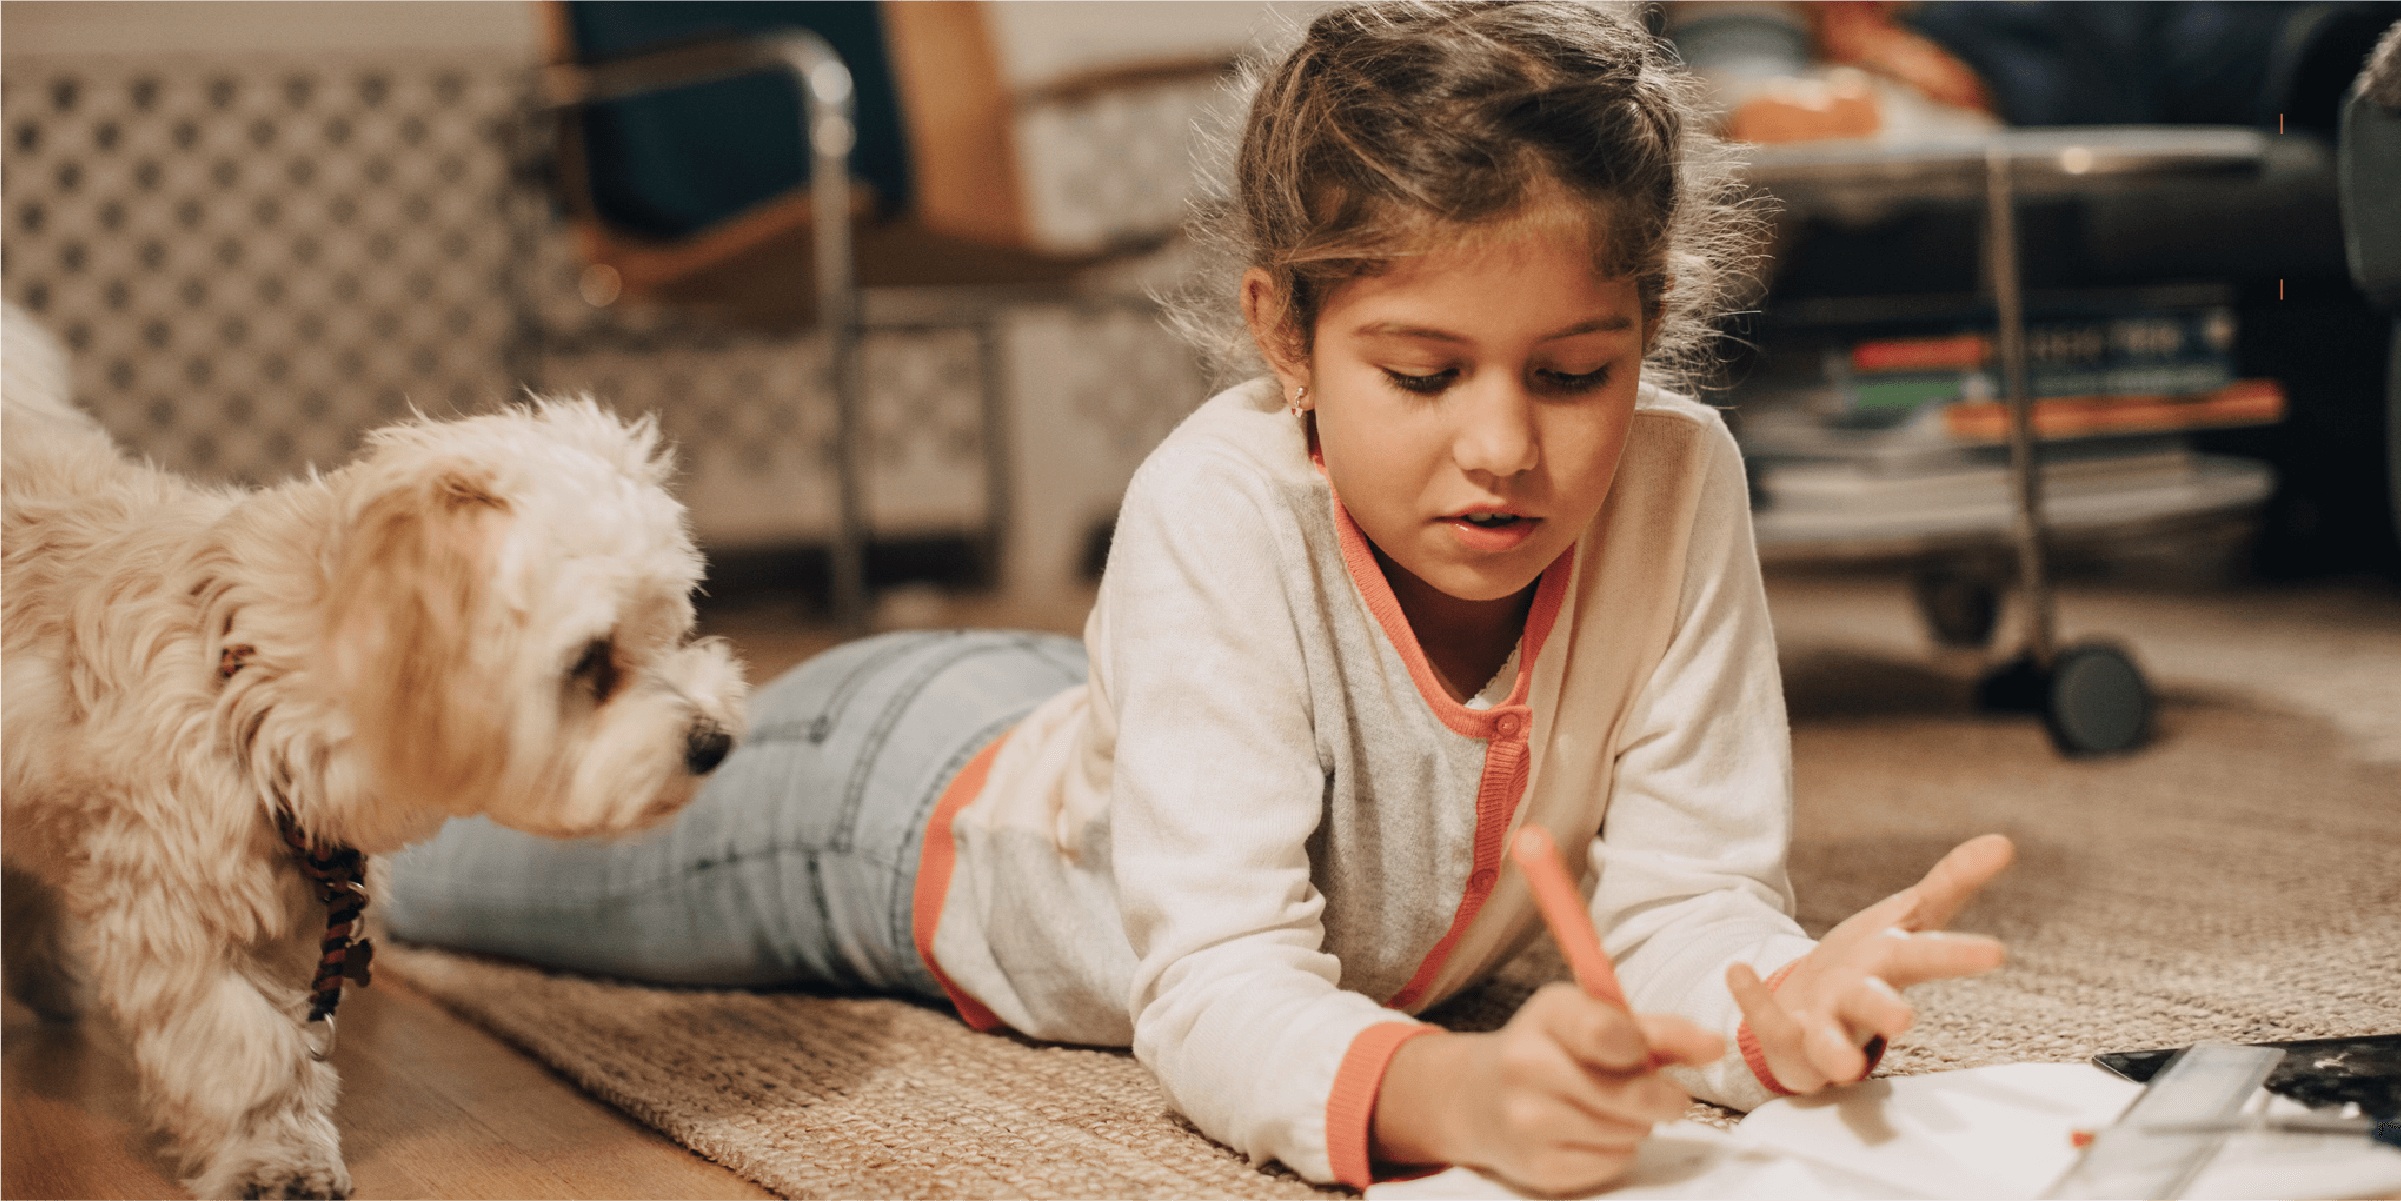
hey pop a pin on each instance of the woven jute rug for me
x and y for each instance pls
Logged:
(2240, 878)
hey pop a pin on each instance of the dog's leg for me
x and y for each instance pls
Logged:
(225, 1070)
(41, 966)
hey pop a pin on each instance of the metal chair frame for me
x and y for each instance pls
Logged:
(830, 131)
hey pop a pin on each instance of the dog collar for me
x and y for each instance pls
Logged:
(339, 873)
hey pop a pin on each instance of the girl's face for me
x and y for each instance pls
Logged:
(1472, 403)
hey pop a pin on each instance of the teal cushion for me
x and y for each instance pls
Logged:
(674, 164)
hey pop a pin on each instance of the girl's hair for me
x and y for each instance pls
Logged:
(1395, 128)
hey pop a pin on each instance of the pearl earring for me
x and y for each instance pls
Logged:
(1299, 395)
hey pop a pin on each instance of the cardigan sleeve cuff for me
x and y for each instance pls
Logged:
(1351, 1107)
(1757, 1059)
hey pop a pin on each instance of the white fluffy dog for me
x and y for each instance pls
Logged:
(213, 696)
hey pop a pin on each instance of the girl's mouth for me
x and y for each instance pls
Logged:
(1491, 530)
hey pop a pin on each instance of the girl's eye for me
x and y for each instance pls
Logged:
(1562, 382)
(1422, 385)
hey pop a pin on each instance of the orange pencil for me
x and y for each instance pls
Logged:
(1571, 924)
(1563, 911)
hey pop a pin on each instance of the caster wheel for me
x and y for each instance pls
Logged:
(2018, 686)
(2096, 702)
(2092, 700)
(1959, 610)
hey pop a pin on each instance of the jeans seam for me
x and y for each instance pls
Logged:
(821, 726)
(817, 898)
(854, 789)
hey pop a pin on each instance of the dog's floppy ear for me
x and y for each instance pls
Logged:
(411, 586)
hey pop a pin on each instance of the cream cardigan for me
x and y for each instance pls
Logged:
(1263, 835)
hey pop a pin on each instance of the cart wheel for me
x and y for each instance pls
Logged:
(2097, 702)
(1960, 610)
(2018, 686)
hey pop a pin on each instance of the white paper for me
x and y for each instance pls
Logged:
(1680, 1160)
(2001, 1131)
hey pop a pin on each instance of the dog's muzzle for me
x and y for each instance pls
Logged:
(706, 747)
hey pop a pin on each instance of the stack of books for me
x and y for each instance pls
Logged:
(1904, 435)
(2125, 373)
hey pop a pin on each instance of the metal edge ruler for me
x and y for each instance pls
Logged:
(2154, 1150)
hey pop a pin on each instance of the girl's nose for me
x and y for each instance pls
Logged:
(1495, 435)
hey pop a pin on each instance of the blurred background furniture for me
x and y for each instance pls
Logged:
(2269, 245)
(2208, 386)
(1843, 472)
(260, 245)
(767, 167)
(2369, 158)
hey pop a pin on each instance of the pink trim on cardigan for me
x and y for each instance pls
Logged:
(1351, 1105)
(935, 859)
(1507, 726)
(1359, 557)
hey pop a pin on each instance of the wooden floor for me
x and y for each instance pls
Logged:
(431, 1107)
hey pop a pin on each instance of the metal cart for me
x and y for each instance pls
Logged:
(2092, 697)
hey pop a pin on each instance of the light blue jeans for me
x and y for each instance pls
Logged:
(797, 862)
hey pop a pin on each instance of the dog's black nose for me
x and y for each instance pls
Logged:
(706, 748)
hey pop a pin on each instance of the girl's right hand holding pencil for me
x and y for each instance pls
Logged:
(1559, 1099)
(1556, 1101)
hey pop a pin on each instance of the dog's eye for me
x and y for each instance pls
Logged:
(597, 669)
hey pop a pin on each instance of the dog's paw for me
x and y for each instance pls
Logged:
(290, 1180)
(304, 1159)
(296, 1190)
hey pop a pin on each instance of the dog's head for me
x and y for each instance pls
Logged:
(508, 625)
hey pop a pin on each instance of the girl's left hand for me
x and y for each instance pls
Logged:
(1846, 993)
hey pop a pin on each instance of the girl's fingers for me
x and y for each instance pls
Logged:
(1676, 1040)
(1832, 1053)
(1906, 959)
(1600, 1109)
(1639, 1103)
(1599, 1106)
(1895, 942)
(1873, 1009)
(1938, 896)
(1782, 1039)
(1594, 1033)
(1603, 1060)
(1952, 882)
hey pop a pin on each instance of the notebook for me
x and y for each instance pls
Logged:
(2008, 1130)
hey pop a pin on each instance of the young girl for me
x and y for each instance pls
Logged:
(1451, 567)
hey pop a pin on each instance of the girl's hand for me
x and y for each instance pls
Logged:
(1846, 992)
(1557, 1101)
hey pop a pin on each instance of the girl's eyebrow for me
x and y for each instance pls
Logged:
(1395, 329)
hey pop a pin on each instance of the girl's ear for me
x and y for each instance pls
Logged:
(1265, 313)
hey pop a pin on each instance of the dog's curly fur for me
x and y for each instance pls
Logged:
(485, 616)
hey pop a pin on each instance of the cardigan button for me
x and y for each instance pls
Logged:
(1509, 724)
(1482, 881)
